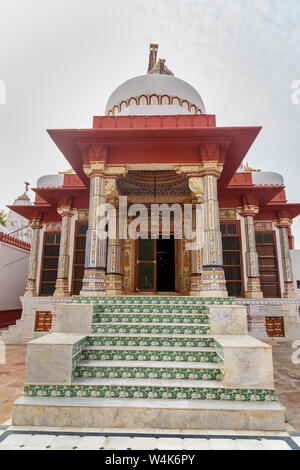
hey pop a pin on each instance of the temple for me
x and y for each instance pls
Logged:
(149, 319)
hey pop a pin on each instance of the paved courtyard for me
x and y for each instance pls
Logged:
(12, 375)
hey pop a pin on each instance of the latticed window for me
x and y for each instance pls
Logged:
(49, 263)
(275, 327)
(268, 263)
(232, 258)
(79, 257)
(43, 321)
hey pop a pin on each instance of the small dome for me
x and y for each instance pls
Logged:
(158, 94)
(50, 181)
(267, 178)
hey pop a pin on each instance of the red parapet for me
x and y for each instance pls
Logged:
(154, 122)
(9, 240)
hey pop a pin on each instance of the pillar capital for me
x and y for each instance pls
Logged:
(204, 168)
(248, 210)
(99, 168)
(284, 222)
(66, 211)
(35, 224)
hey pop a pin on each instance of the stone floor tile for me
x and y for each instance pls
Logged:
(275, 444)
(144, 443)
(164, 443)
(41, 440)
(117, 443)
(91, 442)
(222, 444)
(66, 441)
(16, 440)
(196, 444)
(249, 444)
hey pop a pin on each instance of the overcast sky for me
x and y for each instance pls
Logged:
(61, 59)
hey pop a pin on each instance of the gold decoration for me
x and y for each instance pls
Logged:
(246, 167)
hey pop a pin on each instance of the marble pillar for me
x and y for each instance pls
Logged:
(114, 267)
(62, 281)
(289, 290)
(93, 284)
(213, 276)
(31, 287)
(253, 285)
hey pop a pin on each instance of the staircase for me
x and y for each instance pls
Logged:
(154, 355)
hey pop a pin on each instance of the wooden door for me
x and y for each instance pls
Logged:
(146, 265)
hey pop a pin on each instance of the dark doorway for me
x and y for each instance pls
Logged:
(165, 259)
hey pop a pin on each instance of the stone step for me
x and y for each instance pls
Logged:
(149, 389)
(152, 300)
(158, 354)
(150, 318)
(153, 414)
(150, 340)
(152, 370)
(134, 328)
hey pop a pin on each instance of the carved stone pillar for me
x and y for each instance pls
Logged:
(253, 285)
(31, 287)
(213, 276)
(93, 283)
(114, 268)
(62, 281)
(203, 183)
(196, 186)
(102, 183)
(289, 291)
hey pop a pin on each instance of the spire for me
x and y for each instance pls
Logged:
(152, 56)
(157, 67)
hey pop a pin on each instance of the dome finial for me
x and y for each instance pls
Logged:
(152, 56)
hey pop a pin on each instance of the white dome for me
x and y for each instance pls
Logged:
(268, 178)
(158, 94)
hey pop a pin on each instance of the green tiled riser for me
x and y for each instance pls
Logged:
(152, 392)
(151, 318)
(170, 356)
(169, 309)
(150, 329)
(149, 342)
(136, 300)
(147, 373)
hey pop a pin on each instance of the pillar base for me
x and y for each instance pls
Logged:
(114, 284)
(254, 295)
(196, 285)
(214, 293)
(254, 289)
(289, 291)
(61, 288)
(30, 290)
(213, 282)
(29, 293)
(93, 284)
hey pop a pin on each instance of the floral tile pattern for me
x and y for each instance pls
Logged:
(152, 329)
(148, 355)
(168, 342)
(150, 318)
(136, 300)
(148, 373)
(154, 392)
